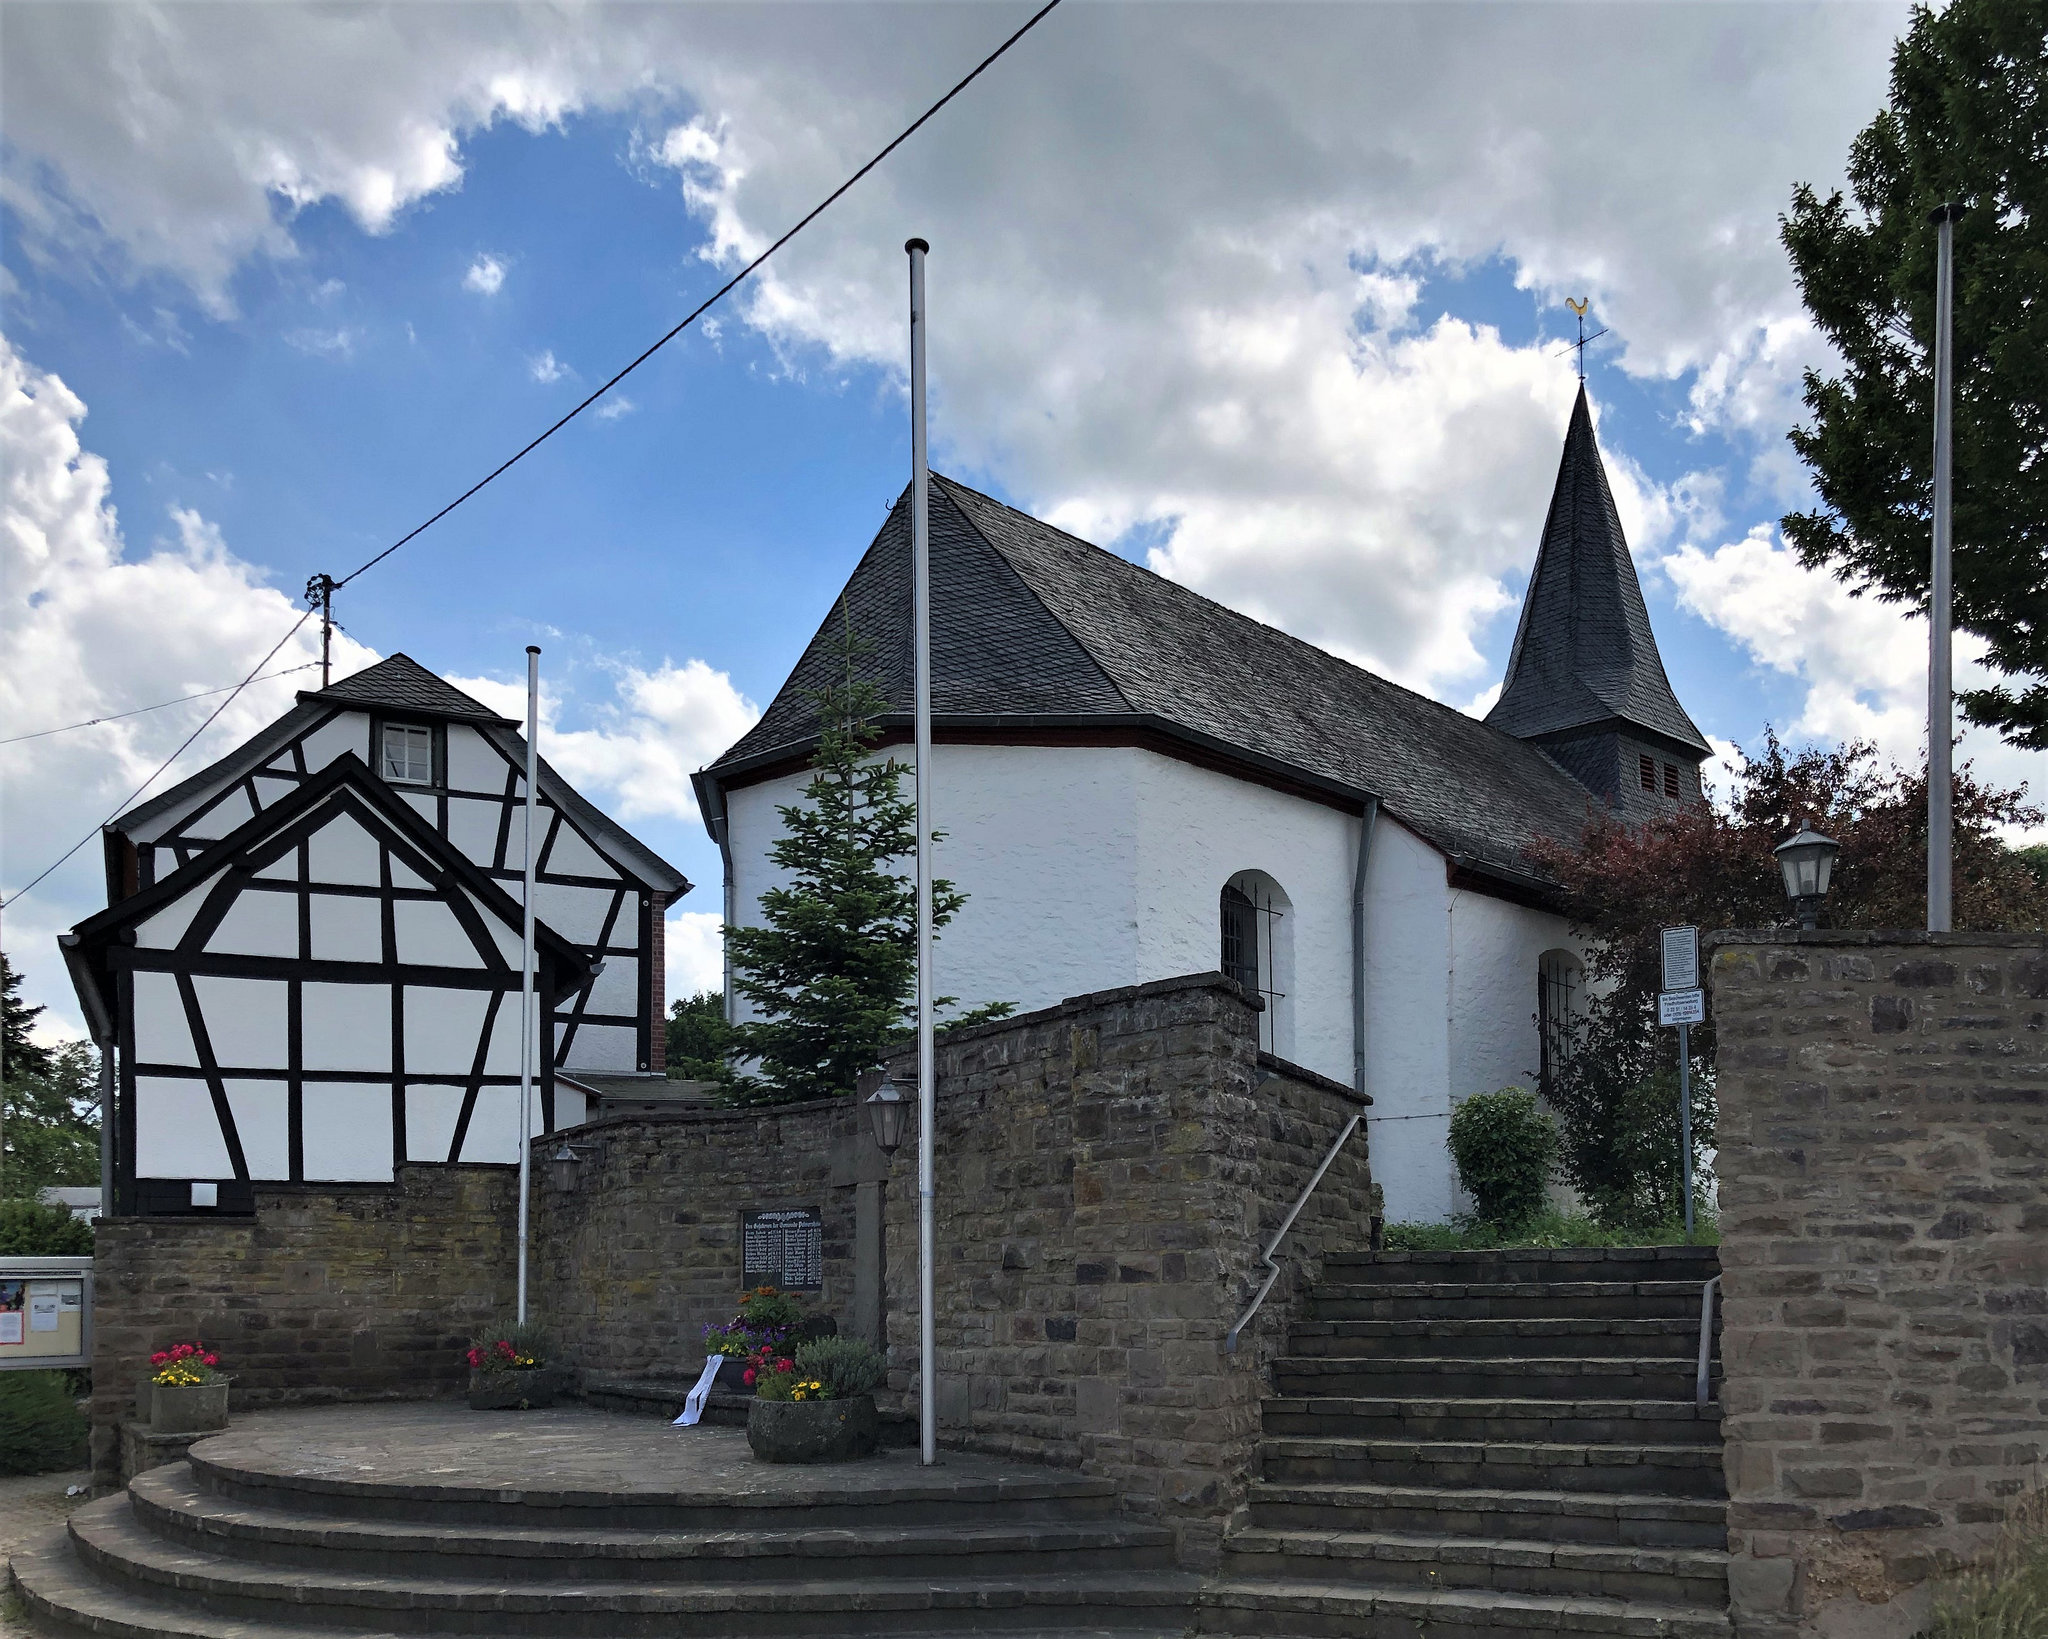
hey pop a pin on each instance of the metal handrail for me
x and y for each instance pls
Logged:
(1280, 1234)
(1706, 1339)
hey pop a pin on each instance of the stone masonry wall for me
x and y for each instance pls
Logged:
(341, 1293)
(632, 1265)
(1110, 1170)
(1884, 1247)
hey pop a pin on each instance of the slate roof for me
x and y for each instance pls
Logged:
(1033, 627)
(401, 683)
(1584, 653)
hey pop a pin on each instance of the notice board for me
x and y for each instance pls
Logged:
(783, 1247)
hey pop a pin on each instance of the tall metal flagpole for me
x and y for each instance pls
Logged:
(528, 1033)
(1940, 708)
(927, 1088)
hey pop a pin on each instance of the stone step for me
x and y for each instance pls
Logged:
(1670, 1576)
(1419, 1417)
(1525, 1300)
(1533, 1376)
(245, 1471)
(1521, 1264)
(170, 1503)
(1598, 1338)
(1502, 1514)
(112, 1544)
(64, 1598)
(1260, 1609)
(1645, 1470)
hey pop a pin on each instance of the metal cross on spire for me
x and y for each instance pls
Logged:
(1579, 308)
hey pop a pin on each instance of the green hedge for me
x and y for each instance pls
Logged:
(41, 1428)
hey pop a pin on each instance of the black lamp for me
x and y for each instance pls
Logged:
(888, 1109)
(1808, 861)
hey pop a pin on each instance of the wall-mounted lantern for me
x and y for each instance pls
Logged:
(1808, 861)
(889, 1111)
(565, 1169)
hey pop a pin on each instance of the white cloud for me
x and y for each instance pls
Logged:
(334, 344)
(696, 953)
(1862, 663)
(91, 628)
(486, 276)
(659, 728)
(617, 405)
(547, 369)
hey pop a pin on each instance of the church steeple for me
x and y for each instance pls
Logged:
(1584, 679)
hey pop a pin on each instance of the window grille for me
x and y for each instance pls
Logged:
(1248, 916)
(1557, 1014)
(408, 754)
(1671, 779)
(1647, 767)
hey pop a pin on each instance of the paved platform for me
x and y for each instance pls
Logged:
(571, 1456)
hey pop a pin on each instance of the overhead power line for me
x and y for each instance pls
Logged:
(528, 448)
(116, 716)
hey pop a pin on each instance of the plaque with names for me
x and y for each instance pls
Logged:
(783, 1247)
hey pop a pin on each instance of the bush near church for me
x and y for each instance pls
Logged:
(1505, 1148)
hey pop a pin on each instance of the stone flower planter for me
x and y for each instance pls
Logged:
(813, 1431)
(514, 1391)
(191, 1408)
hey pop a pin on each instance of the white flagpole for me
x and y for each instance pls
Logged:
(528, 1022)
(927, 1088)
(1940, 685)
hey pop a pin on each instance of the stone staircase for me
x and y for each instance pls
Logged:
(1487, 1446)
(260, 1538)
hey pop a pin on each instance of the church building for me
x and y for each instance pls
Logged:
(1135, 782)
(310, 959)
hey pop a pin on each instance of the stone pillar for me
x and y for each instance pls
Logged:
(1884, 1253)
(869, 1262)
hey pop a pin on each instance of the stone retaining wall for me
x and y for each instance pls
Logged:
(348, 1292)
(1111, 1170)
(644, 1253)
(1884, 1224)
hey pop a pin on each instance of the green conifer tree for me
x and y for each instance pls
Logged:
(831, 970)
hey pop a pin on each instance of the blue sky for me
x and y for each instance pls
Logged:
(1304, 359)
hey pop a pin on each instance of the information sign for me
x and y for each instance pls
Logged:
(783, 1247)
(1682, 1007)
(1681, 948)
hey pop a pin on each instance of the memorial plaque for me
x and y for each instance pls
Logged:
(783, 1247)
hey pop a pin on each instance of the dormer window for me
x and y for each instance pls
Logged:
(408, 754)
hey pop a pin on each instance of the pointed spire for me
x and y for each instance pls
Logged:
(1584, 654)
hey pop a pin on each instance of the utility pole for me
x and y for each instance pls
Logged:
(1940, 684)
(320, 595)
(927, 1085)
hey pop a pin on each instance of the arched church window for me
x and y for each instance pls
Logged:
(1258, 951)
(1560, 1009)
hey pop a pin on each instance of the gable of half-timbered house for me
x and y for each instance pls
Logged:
(461, 769)
(326, 993)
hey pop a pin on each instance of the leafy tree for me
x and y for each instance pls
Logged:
(699, 1039)
(1967, 121)
(29, 1229)
(831, 971)
(1616, 1095)
(1505, 1147)
(49, 1124)
(19, 1056)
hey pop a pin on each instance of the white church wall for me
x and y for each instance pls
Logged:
(1408, 951)
(1200, 829)
(1494, 954)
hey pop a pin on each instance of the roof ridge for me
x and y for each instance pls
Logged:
(1052, 614)
(1180, 588)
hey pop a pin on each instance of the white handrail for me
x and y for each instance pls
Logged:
(1279, 1235)
(1706, 1339)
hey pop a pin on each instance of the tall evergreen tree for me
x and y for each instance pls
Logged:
(832, 968)
(19, 1056)
(1966, 121)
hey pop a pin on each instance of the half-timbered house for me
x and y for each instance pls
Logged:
(310, 956)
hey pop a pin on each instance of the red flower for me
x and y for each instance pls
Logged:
(158, 1358)
(213, 1360)
(747, 1377)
